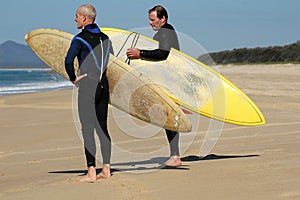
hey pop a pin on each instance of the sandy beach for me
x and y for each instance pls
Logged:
(41, 153)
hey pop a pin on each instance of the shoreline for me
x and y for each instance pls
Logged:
(30, 80)
(41, 91)
(25, 68)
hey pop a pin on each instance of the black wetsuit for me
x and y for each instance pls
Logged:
(92, 48)
(167, 38)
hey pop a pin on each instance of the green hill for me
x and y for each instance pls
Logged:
(273, 54)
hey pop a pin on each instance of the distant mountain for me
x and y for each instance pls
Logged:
(15, 55)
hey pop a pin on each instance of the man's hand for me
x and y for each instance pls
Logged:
(133, 53)
(78, 79)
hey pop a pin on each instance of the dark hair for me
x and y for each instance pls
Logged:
(160, 10)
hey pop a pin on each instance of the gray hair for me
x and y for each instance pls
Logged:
(89, 11)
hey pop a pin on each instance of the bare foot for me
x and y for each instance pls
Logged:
(90, 177)
(173, 161)
(102, 175)
(87, 179)
(105, 173)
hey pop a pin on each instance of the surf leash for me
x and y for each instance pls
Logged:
(133, 44)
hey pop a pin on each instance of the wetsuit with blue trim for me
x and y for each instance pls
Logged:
(92, 48)
(167, 38)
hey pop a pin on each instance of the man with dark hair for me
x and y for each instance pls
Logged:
(167, 38)
(92, 48)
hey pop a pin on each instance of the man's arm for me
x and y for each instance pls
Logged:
(156, 54)
(69, 60)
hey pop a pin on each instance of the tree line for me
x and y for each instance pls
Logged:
(274, 54)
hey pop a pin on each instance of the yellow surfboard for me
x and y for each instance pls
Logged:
(189, 82)
(130, 90)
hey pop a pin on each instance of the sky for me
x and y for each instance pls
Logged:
(216, 25)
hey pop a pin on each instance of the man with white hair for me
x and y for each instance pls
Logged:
(92, 48)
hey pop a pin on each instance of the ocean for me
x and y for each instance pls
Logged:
(18, 81)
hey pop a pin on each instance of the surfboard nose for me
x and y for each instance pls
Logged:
(229, 104)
